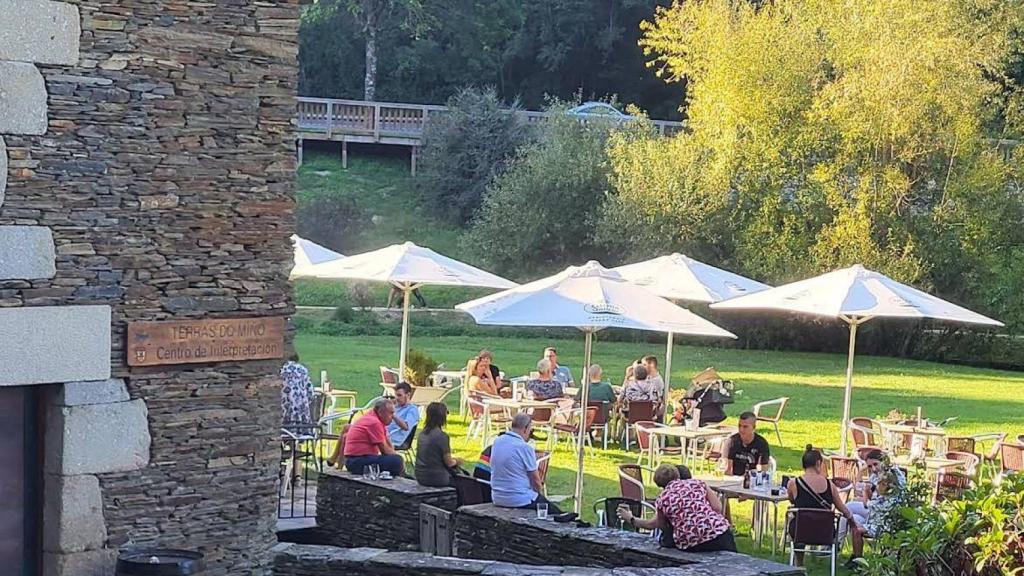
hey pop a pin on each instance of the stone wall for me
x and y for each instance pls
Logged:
(146, 172)
(487, 532)
(353, 512)
(309, 560)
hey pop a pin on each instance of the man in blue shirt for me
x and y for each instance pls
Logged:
(407, 415)
(515, 475)
(560, 373)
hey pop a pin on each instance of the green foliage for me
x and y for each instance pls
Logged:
(464, 150)
(827, 133)
(981, 533)
(418, 367)
(331, 221)
(527, 49)
(343, 308)
(540, 214)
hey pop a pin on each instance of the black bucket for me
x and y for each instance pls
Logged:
(159, 562)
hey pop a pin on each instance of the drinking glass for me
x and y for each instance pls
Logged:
(600, 518)
(542, 511)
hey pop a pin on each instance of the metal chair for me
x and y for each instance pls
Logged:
(774, 416)
(639, 411)
(543, 462)
(961, 444)
(990, 458)
(543, 419)
(389, 375)
(408, 449)
(639, 508)
(1012, 457)
(645, 440)
(813, 531)
(950, 486)
(846, 473)
(971, 461)
(498, 420)
(600, 421)
(631, 481)
(572, 428)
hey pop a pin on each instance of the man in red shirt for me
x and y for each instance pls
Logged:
(367, 442)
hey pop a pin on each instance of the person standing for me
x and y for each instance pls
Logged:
(395, 295)
(746, 450)
(296, 395)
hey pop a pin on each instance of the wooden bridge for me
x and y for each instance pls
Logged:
(364, 122)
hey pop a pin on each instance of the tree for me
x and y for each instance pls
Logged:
(465, 149)
(539, 215)
(826, 133)
(371, 16)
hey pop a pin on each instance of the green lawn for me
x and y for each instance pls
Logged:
(984, 400)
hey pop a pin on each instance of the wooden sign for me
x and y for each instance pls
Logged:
(192, 341)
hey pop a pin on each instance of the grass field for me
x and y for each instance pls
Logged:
(983, 400)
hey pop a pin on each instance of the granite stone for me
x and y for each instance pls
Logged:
(92, 392)
(89, 563)
(74, 514)
(22, 99)
(39, 31)
(49, 344)
(100, 438)
(26, 253)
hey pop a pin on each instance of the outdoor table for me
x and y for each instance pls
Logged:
(333, 395)
(733, 488)
(930, 464)
(512, 405)
(930, 433)
(685, 435)
(570, 391)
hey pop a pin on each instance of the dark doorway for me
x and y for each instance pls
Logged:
(20, 476)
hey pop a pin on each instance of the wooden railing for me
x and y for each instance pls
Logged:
(333, 119)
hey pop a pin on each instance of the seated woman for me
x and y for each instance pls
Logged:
(814, 490)
(479, 379)
(687, 509)
(435, 465)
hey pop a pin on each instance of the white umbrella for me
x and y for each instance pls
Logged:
(855, 295)
(407, 267)
(309, 254)
(589, 297)
(681, 278)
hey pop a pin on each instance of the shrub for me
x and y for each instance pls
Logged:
(465, 149)
(343, 308)
(418, 368)
(333, 221)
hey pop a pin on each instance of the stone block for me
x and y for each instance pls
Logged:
(3, 169)
(90, 563)
(49, 344)
(73, 514)
(26, 253)
(98, 438)
(92, 392)
(22, 99)
(39, 31)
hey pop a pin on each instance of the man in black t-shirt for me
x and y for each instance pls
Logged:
(747, 450)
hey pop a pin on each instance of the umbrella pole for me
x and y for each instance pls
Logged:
(581, 443)
(849, 381)
(406, 289)
(668, 369)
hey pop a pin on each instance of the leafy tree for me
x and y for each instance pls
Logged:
(465, 149)
(825, 133)
(540, 214)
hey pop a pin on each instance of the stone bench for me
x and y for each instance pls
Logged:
(352, 511)
(308, 560)
(487, 532)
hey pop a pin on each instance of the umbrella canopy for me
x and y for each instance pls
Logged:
(679, 277)
(589, 297)
(309, 254)
(855, 295)
(407, 267)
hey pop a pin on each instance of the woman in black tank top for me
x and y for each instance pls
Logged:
(802, 492)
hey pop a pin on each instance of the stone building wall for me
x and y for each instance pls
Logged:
(147, 165)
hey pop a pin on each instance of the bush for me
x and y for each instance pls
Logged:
(465, 149)
(333, 221)
(343, 308)
(418, 368)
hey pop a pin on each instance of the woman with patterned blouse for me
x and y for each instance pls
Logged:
(688, 510)
(296, 394)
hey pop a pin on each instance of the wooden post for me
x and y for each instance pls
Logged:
(412, 158)
(344, 154)
(330, 119)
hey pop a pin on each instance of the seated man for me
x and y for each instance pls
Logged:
(366, 442)
(545, 387)
(558, 372)
(515, 478)
(746, 450)
(407, 415)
